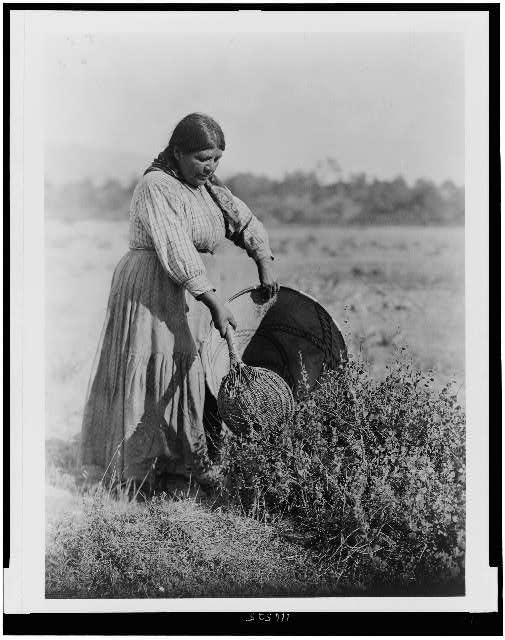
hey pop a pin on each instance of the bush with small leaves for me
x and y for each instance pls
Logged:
(369, 473)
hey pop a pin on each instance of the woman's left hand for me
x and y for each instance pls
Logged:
(268, 279)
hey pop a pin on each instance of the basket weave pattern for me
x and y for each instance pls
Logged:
(252, 396)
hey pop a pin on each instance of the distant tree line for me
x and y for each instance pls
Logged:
(298, 198)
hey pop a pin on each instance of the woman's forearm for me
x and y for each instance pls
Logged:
(210, 300)
(267, 275)
(264, 266)
(220, 313)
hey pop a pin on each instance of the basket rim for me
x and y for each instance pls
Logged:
(289, 288)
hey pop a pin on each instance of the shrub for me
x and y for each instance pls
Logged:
(369, 473)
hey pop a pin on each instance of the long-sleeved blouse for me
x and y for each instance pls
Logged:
(179, 222)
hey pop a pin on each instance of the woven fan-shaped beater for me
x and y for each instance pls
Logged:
(252, 396)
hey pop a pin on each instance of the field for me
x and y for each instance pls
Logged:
(387, 288)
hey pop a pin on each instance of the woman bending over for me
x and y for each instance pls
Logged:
(144, 409)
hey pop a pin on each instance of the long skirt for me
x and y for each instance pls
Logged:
(145, 401)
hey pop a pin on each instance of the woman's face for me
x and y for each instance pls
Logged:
(198, 166)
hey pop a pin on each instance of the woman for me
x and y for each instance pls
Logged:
(144, 411)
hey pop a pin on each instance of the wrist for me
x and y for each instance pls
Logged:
(263, 265)
(210, 300)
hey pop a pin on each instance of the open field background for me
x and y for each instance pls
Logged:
(386, 287)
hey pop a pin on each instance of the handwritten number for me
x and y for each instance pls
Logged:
(263, 616)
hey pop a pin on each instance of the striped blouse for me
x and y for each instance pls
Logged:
(179, 222)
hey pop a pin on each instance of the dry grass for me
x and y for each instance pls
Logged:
(172, 549)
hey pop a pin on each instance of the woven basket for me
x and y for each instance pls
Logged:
(252, 397)
(280, 334)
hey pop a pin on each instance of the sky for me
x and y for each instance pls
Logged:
(385, 104)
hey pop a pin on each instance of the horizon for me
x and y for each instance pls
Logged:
(69, 174)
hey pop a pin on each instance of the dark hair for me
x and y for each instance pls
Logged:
(194, 132)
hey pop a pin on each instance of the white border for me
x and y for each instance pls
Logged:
(25, 580)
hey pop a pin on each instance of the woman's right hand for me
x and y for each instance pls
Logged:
(221, 314)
